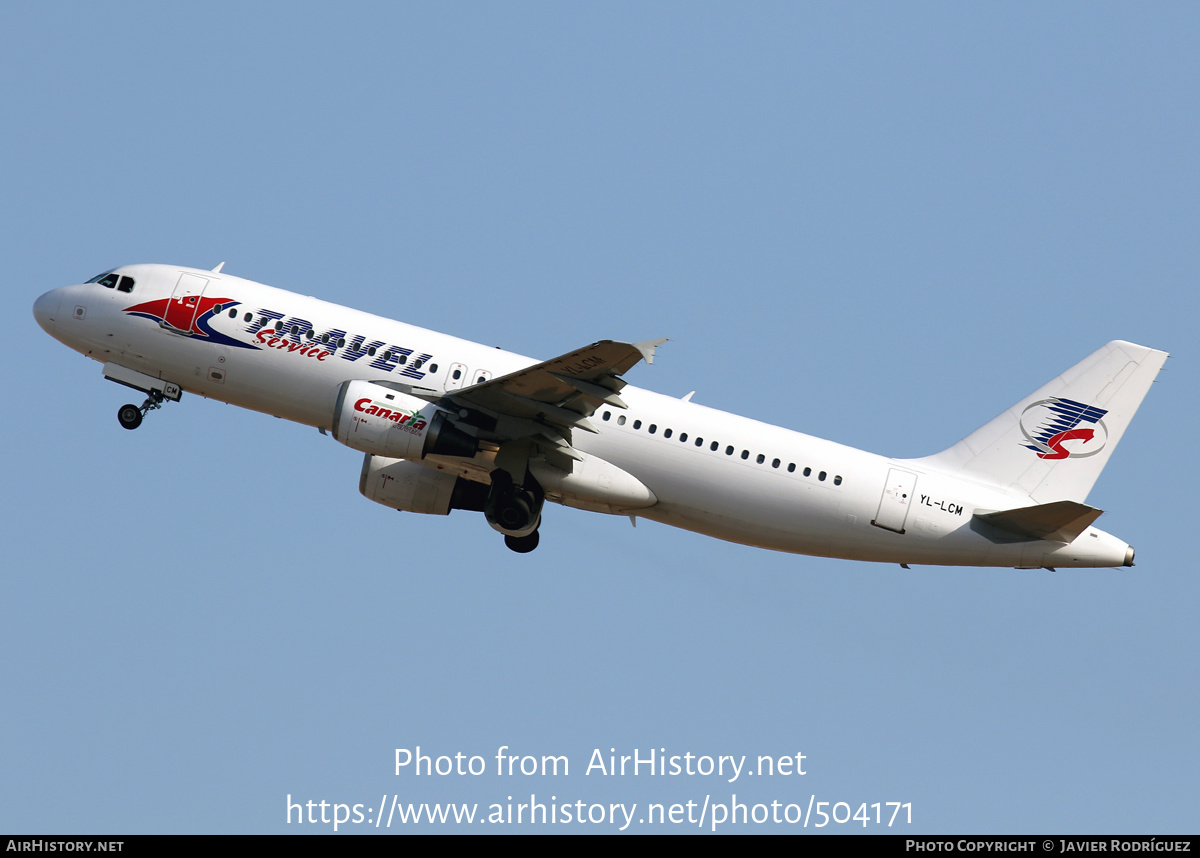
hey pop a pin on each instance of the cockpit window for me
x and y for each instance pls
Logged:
(120, 282)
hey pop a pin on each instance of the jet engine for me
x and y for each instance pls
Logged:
(375, 419)
(514, 510)
(410, 487)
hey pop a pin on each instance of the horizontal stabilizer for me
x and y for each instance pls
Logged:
(1060, 521)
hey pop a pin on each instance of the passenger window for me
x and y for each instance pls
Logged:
(341, 342)
(808, 472)
(371, 351)
(247, 317)
(403, 360)
(775, 463)
(233, 313)
(791, 467)
(745, 454)
(653, 428)
(729, 451)
(387, 355)
(714, 446)
(621, 420)
(433, 367)
(637, 424)
(607, 414)
(699, 442)
(761, 458)
(821, 476)
(416, 364)
(666, 433)
(837, 481)
(457, 374)
(683, 437)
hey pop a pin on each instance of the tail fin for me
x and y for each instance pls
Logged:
(1053, 444)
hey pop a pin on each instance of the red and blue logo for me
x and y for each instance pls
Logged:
(191, 316)
(1048, 424)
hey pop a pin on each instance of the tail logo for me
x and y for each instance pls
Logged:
(1050, 423)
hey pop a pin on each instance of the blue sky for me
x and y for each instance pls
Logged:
(878, 223)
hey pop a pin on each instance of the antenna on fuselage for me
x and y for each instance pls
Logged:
(217, 270)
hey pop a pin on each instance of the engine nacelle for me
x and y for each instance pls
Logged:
(375, 419)
(409, 487)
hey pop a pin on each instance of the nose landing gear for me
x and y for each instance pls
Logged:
(130, 416)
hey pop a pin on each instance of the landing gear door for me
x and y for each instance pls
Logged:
(181, 312)
(896, 500)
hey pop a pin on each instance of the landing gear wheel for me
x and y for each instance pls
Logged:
(130, 416)
(522, 544)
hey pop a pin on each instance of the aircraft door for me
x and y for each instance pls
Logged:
(896, 500)
(457, 377)
(181, 311)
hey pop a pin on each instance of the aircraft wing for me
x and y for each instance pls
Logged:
(546, 401)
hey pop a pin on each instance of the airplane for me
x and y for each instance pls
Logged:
(447, 424)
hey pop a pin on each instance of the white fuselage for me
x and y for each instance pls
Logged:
(712, 472)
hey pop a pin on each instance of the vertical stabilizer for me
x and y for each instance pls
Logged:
(1053, 444)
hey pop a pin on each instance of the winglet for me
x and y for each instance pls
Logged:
(647, 348)
(217, 270)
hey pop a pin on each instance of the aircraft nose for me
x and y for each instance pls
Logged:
(45, 309)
